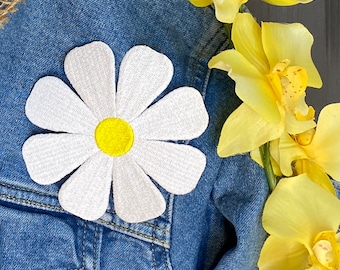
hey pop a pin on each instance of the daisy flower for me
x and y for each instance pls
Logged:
(102, 135)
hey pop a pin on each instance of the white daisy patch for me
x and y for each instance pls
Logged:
(113, 136)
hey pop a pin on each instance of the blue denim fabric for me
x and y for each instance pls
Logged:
(217, 226)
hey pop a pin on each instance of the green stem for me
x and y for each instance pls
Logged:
(267, 165)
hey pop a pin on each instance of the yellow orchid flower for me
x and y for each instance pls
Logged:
(272, 66)
(298, 154)
(226, 10)
(302, 220)
(315, 151)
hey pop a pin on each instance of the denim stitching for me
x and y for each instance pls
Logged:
(170, 211)
(144, 223)
(26, 189)
(153, 256)
(56, 207)
(165, 258)
(8, 197)
(83, 245)
(95, 247)
(60, 209)
(157, 227)
(198, 63)
(134, 232)
(170, 215)
(153, 251)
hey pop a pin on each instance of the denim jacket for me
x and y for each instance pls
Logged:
(216, 226)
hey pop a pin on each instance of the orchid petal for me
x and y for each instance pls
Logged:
(314, 173)
(325, 147)
(293, 212)
(294, 126)
(251, 86)
(247, 39)
(244, 131)
(226, 10)
(201, 3)
(290, 41)
(282, 254)
(290, 151)
(287, 2)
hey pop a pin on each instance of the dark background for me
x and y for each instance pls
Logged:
(322, 18)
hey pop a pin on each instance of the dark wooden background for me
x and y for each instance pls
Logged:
(322, 18)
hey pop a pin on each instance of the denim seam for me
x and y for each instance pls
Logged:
(95, 247)
(57, 207)
(26, 189)
(83, 245)
(32, 203)
(144, 223)
(218, 175)
(134, 232)
(165, 258)
(60, 209)
(208, 45)
(170, 211)
(153, 256)
(221, 45)
(170, 216)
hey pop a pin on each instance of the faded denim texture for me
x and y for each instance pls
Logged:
(217, 226)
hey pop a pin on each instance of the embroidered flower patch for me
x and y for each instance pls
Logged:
(111, 135)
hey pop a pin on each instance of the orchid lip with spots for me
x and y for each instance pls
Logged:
(112, 136)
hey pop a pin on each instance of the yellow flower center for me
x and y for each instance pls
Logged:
(323, 251)
(114, 136)
(326, 251)
(289, 84)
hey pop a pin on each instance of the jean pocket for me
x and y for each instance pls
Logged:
(33, 240)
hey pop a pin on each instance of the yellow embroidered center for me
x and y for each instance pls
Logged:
(114, 136)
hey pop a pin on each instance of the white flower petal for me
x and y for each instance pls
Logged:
(54, 106)
(144, 74)
(136, 198)
(91, 71)
(176, 167)
(86, 193)
(50, 157)
(180, 115)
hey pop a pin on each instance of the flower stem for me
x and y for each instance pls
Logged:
(267, 165)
